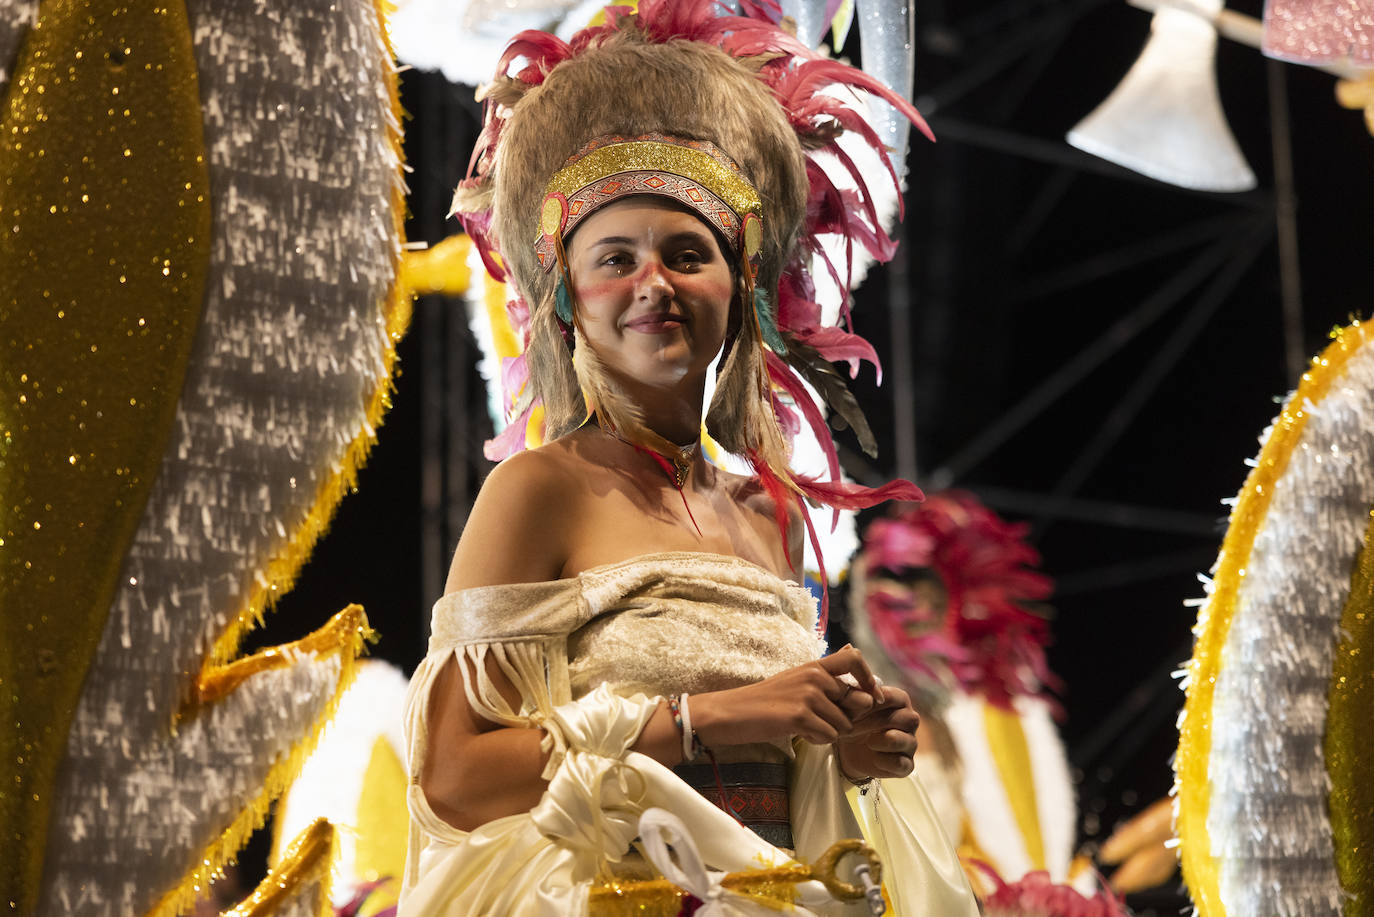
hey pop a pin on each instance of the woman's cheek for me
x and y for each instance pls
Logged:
(600, 289)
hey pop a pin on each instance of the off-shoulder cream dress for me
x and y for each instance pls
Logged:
(592, 656)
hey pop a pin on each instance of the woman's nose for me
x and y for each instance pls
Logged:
(654, 285)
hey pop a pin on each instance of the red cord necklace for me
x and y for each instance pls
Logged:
(677, 467)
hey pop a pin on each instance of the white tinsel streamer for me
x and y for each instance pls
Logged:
(331, 781)
(290, 348)
(1268, 820)
(888, 35)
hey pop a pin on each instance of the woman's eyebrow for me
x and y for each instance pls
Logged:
(613, 240)
(695, 236)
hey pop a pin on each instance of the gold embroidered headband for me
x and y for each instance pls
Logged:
(695, 173)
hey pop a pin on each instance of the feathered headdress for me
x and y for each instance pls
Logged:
(975, 632)
(674, 74)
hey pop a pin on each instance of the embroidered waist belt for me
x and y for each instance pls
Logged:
(754, 792)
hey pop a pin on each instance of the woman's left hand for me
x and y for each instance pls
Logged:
(883, 740)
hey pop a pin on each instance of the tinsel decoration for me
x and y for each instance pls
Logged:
(298, 886)
(16, 16)
(175, 748)
(1263, 759)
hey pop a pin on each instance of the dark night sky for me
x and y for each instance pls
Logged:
(998, 205)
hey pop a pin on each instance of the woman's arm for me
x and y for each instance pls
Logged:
(476, 770)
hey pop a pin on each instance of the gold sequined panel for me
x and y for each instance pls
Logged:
(693, 159)
(1348, 761)
(104, 204)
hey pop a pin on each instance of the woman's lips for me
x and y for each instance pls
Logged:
(658, 323)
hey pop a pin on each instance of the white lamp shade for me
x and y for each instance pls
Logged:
(1165, 119)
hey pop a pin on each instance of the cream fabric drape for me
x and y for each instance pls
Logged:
(542, 862)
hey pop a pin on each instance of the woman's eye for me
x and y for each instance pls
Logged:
(690, 259)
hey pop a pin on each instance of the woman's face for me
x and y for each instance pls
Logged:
(653, 289)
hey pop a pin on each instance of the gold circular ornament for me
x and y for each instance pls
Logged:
(753, 234)
(551, 217)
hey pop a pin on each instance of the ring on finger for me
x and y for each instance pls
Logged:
(849, 682)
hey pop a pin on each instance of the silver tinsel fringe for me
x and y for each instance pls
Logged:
(1268, 820)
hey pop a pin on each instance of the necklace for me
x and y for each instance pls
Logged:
(677, 465)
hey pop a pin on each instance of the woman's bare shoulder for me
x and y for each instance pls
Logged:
(517, 528)
(748, 492)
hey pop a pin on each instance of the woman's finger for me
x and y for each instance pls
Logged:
(899, 765)
(892, 741)
(821, 727)
(889, 765)
(880, 718)
(850, 660)
(833, 716)
(856, 703)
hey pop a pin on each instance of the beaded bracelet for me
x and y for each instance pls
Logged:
(692, 746)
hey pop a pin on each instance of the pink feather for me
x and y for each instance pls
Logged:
(510, 440)
(836, 344)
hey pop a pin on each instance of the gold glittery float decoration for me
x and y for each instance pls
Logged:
(774, 887)
(1200, 868)
(104, 249)
(344, 633)
(306, 861)
(282, 570)
(1348, 721)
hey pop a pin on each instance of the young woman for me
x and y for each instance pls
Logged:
(619, 606)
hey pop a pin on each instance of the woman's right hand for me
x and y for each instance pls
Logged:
(809, 701)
